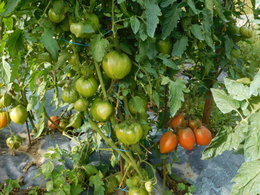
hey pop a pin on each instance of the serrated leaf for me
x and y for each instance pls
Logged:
(50, 43)
(10, 7)
(252, 141)
(90, 169)
(98, 47)
(170, 20)
(7, 69)
(237, 90)
(196, 30)
(47, 168)
(224, 102)
(166, 3)
(176, 93)
(98, 184)
(152, 12)
(226, 139)
(247, 179)
(229, 45)
(135, 24)
(76, 189)
(207, 25)
(180, 46)
(168, 62)
(192, 6)
(255, 85)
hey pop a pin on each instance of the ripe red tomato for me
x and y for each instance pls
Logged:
(168, 142)
(203, 135)
(4, 119)
(55, 119)
(177, 121)
(186, 138)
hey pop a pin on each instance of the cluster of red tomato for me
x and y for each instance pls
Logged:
(189, 133)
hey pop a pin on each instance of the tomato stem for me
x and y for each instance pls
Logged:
(164, 174)
(127, 156)
(28, 133)
(101, 80)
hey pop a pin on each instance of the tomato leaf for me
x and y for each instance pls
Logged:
(50, 43)
(237, 90)
(219, 10)
(171, 18)
(10, 7)
(252, 141)
(135, 24)
(226, 139)
(196, 30)
(180, 46)
(223, 101)
(247, 179)
(15, 43)
(98, 47)
(192, 6)
(207, 25)
(152, 11)
(98, 184)
(47, 168)
(255, 85)
(176, 93)
(76, 189)
(166, 3)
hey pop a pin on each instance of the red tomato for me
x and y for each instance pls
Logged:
(168, 142)
(203, 135)
(177, 121)
(186, 138)
(55, 119)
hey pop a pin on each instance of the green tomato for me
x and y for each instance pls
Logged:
(56, 18)
(87, 87)
(245, 32)
(233, 29)
(116, 65)
(129, 132)
(101, 110)
(137, 105)
(74, 60)
(6, 100)
(14, 142)
(134, 181)
(137, 191)
(77, 29)
(81, 105)
(164, 46)
(76, 121)
(63, 124)
(69, 95)
(19, 114)
(43, 57)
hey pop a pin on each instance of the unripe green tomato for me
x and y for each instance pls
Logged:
(164, 46)
(81, 105)
(69, 95)
(76, 121)
(77, 29)
(245, 32)
(101, 110)
(93, 20)
(87, 87)
(137, 191)
(63, 124)
(116, 65)
(14, 142)
(129, 132)
(56, 18)
(111, 184)
(19, 114)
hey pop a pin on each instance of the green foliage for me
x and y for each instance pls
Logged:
(244, 136)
